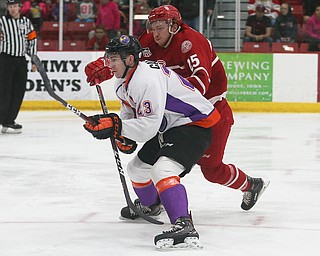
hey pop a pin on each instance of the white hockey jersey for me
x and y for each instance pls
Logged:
(155, 99)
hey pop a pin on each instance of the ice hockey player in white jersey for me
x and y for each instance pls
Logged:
(174, 121)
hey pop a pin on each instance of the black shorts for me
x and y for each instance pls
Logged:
(184, 144)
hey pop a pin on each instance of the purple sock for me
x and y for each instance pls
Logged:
(148, 195)
(175, 201)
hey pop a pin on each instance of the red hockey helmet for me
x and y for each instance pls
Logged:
(167, 13)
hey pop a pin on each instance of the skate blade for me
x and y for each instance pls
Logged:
(156, 217)
(190, 243)
(139, 219)
(265, 185)
(11, 131)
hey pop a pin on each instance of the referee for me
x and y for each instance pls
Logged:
(17, 38)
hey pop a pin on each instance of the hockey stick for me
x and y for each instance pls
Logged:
(35, 59)
(120, 169)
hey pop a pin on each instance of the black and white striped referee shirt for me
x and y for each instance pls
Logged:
(19, 36)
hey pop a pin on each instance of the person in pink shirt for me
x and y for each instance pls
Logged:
(313, 30)
(109, 16)
(36, 11)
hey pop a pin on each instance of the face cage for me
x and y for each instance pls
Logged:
(168, 22)
(123, 57)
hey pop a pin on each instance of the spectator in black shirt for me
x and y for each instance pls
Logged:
(286, 27)
(258, 27)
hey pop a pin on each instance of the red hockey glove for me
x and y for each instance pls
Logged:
(126, 145)
(107, 125)
(97, 72)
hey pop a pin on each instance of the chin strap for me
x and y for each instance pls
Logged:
(125, 71)
(171, 35)
(127, 67)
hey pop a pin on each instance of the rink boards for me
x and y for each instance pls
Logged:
(256, 82)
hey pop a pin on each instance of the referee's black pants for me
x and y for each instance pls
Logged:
(13, 79)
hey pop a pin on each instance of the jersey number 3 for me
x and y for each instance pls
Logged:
(145, 108)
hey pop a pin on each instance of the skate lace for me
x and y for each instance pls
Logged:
(174, 229)
(140, 207)
(247, 197)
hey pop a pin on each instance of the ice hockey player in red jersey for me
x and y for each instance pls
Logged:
(192, 56)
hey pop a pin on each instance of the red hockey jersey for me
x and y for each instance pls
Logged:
(192, 56)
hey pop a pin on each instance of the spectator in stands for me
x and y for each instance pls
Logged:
(86, 11)
(109, 16)
(309, 6)
(189, 10)
(313, 30)
(272, 8)
(49, 5)
(286, 27)
(55, 12)
(258, 27)
(99, 41)
(35, 10)
(69, 11)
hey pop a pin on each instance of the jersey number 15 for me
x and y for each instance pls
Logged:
(193, 62)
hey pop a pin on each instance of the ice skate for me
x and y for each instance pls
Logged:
(153, 210)
(11, 128)
(182, 235)
(250, 197)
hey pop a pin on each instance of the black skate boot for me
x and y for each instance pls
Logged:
(153, 210)
(250, 197)
(11, 128)
(181, 236)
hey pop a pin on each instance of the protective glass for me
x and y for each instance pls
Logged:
(157, 26)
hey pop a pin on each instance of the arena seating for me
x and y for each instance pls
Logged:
(256, 47)
(79, 30)
(285, 47)
(48, 45)
(50, 30)
(74, 45)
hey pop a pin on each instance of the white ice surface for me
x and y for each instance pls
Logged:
(60, 193)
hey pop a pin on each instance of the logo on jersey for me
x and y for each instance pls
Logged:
(146, 52)
(186, 46)
(22, 26)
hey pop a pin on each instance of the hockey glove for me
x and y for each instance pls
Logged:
(97, 72)
(126, 145)
(107, 125)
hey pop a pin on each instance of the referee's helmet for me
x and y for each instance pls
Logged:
(13, 2)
